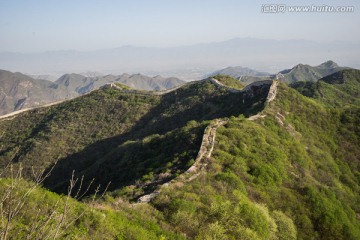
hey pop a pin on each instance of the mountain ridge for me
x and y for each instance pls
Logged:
(144, 126)
(290, 171)
(19, 91)
(300, 72)
(304, 72)
(239, 71)
(291, 160)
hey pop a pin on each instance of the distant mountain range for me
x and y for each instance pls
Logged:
(47, 77)
(265, 54)
(300, 72)
(19, 91)
(80, 84)
(304, 72)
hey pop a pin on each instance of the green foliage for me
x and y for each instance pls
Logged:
(340, 89)
(82, 221)
(332, 218)
(285, 226)
(301, 144)
(119, 136)
(307, 88)
(229, 81)
(293, 174)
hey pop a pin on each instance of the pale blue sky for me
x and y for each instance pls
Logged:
(47, 25)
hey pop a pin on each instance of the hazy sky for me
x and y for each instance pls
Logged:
(43, 25)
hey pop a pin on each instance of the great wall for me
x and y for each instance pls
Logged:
(208, 141)
(209, 136)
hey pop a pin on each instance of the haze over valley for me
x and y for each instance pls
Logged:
(186, 62)
(180, 120)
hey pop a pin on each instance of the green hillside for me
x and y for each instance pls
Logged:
(47, 215)
(290, 171)
(229, 81)
(340, 89)
(291, 175)
(122, 137)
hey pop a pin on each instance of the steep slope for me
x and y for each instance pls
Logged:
(340, 89)
(127, 137)
(305, 72)
(346, 81)
(46, 215)
(291, 174)
(18, 91)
